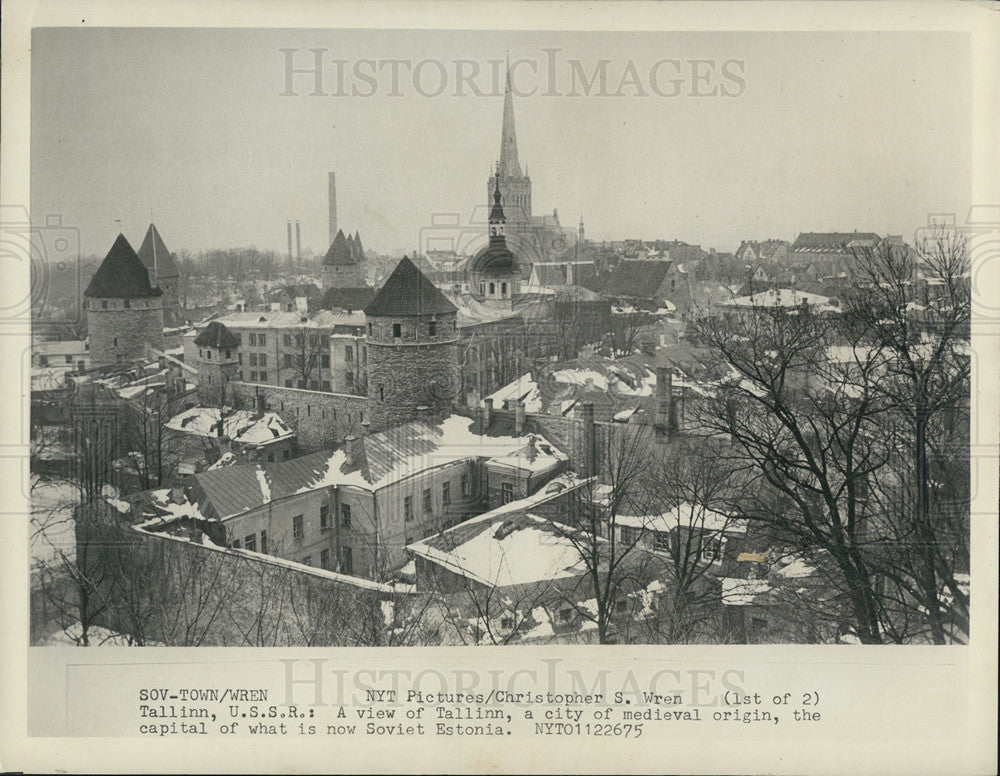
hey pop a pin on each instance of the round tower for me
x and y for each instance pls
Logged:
(412, 349)
(494, 272)
(124, 311)
(218, 361)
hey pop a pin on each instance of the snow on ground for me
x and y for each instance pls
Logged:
(684, 515)
(52, 527)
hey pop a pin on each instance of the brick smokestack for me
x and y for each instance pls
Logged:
(289, 240)
(298, 241)
(333, 207)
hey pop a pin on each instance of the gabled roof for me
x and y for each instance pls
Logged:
(340, 253)
(634, 278)
(216, 335)
(155, 257)
(347, 298)
(408, 291)
(121, 275)
(831, 241)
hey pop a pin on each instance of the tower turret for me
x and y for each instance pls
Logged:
(494, 273)
(218, 361)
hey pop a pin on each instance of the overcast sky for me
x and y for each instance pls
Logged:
(190, 129)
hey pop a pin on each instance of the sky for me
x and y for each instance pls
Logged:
(710, 138)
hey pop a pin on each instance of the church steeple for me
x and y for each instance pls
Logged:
(510, 167)
(498, 221)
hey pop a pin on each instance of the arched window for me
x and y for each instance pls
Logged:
(503, 289)
(482, 289)
(493, 289)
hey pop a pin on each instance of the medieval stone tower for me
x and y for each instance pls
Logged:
(163, 274)
(342, 265)
(124, 311)
(412, 350)
(218, 362)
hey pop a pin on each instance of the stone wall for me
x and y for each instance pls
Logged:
(120, 334)
(403, 377)
(321, 420)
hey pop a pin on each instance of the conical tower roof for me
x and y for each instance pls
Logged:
(121, 275)
(155, 257)
(339, 254)
(217, 336)
(408, 291)
(357, 246)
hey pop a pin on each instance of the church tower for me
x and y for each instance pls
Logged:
(412, 349)
(494, 272)
(124, 310)
(515, 186)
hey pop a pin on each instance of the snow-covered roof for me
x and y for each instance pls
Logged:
(743, 592)
(536, 456)
(685, 516)
(242, 426)
(281, 319)
(780, 297)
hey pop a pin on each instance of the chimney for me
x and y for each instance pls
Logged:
(519, 418)
(161, 362)
(260, 403)
(351, 450)
(298, 242)
(487, 413)
(289, 240)
(333, 206)
(177, 493)
(588, 454)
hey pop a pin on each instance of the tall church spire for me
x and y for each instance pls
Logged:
(510, 167)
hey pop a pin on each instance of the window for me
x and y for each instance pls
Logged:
(364, 355)
(115, 342)
(465, 484)
(370, 329)
(253, 375)
(565, 615)
(43, 360)
(661, 541)
(263, 377)
(69, 359)
(506, 492)
(253, 359)
(286, 455)
(346, 562)
(229, 354)
(261, 340)
(286, 340)
(263, 541)
(345, 515)
(298, 533)
(325, 385)
(270, 457)
(239, 359)
(408, 507)
(208, 354)
(432, 328)
(288, 383)
(236, 544)
(288, 360)
(507, 622)
(397, 330)
(104, 304)
(314, 385)
(427, 501)
(128, 304)
(629, 535)
(348, 353)
(324, 360)
(253, 339)
(324, 518)
(712, 549)
(307, 560)
(324, 559)
(262, 359)
(250, 542)
(503, 289)
(446, 493)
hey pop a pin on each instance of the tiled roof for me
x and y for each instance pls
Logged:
(155, 257)
(216, 335)
(121, 275)
(634, 278)
(408, 291)
(347, 298)
(830, 241)
(340, 253)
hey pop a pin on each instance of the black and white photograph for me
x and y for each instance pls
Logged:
(498, 335)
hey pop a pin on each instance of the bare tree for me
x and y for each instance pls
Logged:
(304, 361)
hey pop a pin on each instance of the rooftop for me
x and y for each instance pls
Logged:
(241, 426)
(408, 291)
(121, 275)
